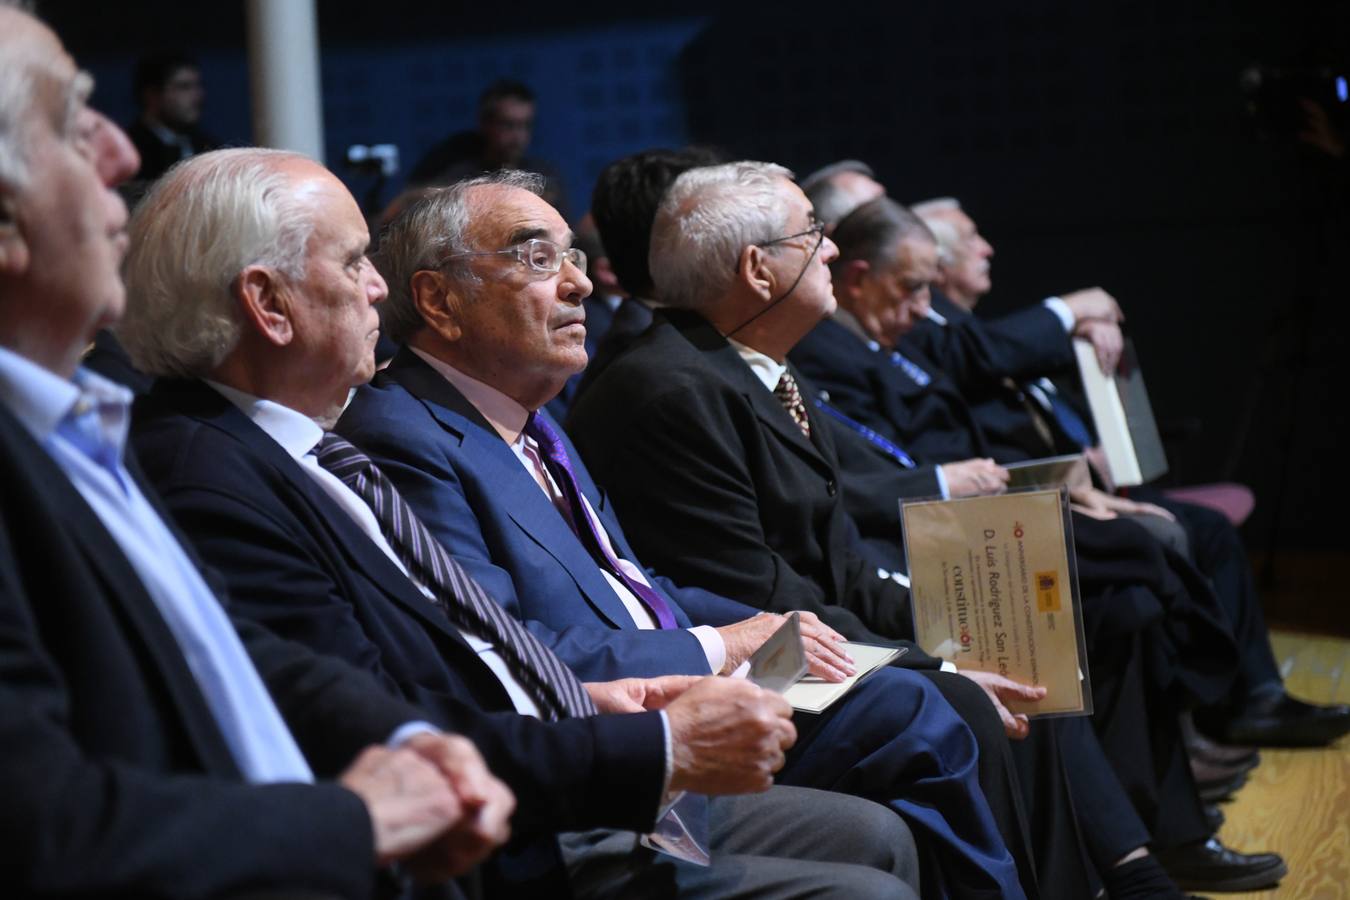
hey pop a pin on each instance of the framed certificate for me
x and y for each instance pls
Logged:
(994, 587)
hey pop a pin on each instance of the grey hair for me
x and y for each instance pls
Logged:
(948, 239)
(830, 201)
(708, 216)
(926, 208)
(197, 229)
(871, 232)
(18, 71)
(826, 173)
(432, 226)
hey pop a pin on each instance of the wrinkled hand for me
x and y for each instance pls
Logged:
(635, 695)
(728, 737)
(1106, 340)
(409, 802)
(823, 645)
(1001, 689)
(1098, 505)
(1093, 303)
(486, 806)
(972, 477)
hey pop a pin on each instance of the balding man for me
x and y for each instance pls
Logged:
(150, 749)
(259, 328)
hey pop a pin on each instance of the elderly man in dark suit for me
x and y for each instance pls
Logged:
(270, 309)
(457, 416)
(149, 748)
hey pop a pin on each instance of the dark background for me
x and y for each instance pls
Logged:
(1096, 144)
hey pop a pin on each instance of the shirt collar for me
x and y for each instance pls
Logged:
(40, 399)
(766, 369)
(505, 415)
(296, 432)
(850, 321)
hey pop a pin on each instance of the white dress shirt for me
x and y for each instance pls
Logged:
(299, 435)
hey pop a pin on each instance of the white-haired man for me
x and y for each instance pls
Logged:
(267, 307)
(149, 748)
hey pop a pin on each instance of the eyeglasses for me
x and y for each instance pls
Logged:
(537, 254)
(817, 228)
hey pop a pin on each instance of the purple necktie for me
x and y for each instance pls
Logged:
(555, 458)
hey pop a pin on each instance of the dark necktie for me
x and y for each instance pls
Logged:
(560, 467)
(553, 686)
(791, 397)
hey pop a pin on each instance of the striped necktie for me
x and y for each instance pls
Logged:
(549, 682)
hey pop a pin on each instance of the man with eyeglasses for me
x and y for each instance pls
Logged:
(487, 311)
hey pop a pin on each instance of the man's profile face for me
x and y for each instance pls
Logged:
(966, 278)
(68, 222)
(524, 330)
(895, 295)
(180, 99)
(814, 293)
(333, 304)
(507, 127)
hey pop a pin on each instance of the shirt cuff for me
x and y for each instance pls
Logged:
(1062, 311)
(713, 646)
(942, 484)
(666, 799)
(948, 666)
(409, 729)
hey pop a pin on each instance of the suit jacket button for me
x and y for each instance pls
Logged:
(831, 488)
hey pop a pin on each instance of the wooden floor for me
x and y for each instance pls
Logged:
(1298, 801)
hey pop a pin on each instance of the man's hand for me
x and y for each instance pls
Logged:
(1098, 505)
(1002, 689)
(728, 737)
(409, 802)
(1106, 340)
(973, 477)
(635, 695)
(1093, 303)
(823, 645)
(1096, 458)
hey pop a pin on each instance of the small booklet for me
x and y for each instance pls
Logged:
(1123, 416)
(815, 695)
(994, 587)
(1070, 470)
(780, 665)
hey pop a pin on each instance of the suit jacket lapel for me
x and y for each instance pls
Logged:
(201, 403)
(513, 487)
(721, 354)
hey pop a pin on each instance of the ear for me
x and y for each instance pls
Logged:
(753, 272)
(851, 276)
(266, 304)
(436, 300)
(13, 247)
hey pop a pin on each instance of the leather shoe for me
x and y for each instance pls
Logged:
(1210, 866)
(1207, 772)
(1279, 720)
(1214, 816)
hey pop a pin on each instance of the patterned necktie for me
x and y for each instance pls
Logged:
(546, 678)
(791, 398)
(560, 467)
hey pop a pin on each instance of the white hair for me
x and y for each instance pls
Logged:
(926, 208)
(948, 239)
(708, 216)
(202, 224)
(19, 67)
(433, 226)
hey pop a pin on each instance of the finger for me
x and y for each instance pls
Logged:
(824, 669)
(829, 650)
(1021, 727)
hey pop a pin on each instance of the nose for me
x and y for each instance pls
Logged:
(829, 251)
(115, 157)
(573, 286)
(376, 287)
